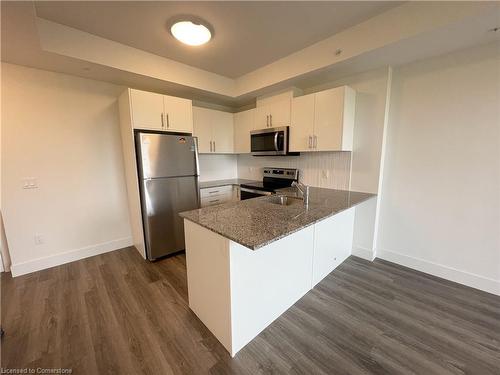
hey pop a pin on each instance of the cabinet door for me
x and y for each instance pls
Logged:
(179, 114)
(222, 132)
(202, 128)
(302, 123)
(243, 125)
(279, 112)
(332, 243)
(328, 115)
(147, 109)
(261, 120)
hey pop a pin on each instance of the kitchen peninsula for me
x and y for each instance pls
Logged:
(249, 261)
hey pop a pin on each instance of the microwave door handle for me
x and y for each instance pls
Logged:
(276, 134)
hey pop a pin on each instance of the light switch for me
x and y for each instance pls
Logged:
(30, 183)
(325, 173)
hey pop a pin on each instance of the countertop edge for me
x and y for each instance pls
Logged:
(257, 247)
(225, 182)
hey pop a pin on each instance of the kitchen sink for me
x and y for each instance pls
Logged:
(284, 200)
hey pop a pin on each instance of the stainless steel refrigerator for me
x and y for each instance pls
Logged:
(168, 179)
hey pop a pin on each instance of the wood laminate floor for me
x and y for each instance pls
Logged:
(118, 314)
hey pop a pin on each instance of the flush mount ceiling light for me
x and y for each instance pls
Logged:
(192, 33)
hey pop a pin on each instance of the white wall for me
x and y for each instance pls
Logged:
(217, 167)
(64, 131)
(440, 203)
(310, 164)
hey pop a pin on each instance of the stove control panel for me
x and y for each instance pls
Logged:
(286, 173)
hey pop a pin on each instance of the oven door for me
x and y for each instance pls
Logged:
(246, 193)
(272, 141)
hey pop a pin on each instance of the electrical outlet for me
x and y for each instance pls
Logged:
(39, 239)
(30, 183)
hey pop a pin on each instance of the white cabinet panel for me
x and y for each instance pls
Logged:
(328, 116)
(279, 112)
(202, 129)
(302, 123)
(273, 114)
(262, 117)
(178, 114)
(222, 132)
(243, 125)
(218, 195)
(147, 109)
(332, 120)
(217, 190)
(160, 112)
(332, 243)
(214, 130)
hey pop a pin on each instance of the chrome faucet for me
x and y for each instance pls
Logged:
(304, 190)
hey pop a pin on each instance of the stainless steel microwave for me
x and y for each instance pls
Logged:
(269, 141)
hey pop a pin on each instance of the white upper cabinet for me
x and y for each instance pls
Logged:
(302, 123)
(222, 132)
(214, 130)
(202, 129)
(160, 112)
(323, 121)
(147, 109)
(273, 113)
(244, 123)
(178, 114)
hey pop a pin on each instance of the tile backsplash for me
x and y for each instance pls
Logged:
(322, 169)
(217, 167)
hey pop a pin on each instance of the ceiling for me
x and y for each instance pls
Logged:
(248, 35)
(440, 28)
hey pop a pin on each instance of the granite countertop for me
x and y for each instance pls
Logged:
(257, 222)
(232, 181)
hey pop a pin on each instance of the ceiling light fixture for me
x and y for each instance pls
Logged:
(191, 33)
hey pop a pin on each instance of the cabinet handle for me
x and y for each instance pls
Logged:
(271, 121)
(315, 141)
(162, 122)
(213, 191)
(267, 121)
(168, 122)
(210, 146)
(310, 141)
(214, 146)
(213, 201)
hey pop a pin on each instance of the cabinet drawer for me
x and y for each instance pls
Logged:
(216, 191)
(219, 199)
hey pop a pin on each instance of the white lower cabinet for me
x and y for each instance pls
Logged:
(237, 292)
(332, 243)
(218, 195)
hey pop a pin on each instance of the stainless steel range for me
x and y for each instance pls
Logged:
(274, 179)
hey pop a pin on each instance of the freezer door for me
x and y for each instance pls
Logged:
(166, 155)
(163, 199)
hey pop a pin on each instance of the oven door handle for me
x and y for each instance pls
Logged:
(259, 192)
(276, 140)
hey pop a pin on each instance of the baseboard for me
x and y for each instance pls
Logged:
(462, 277)
(363, 252)
(68, 256)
